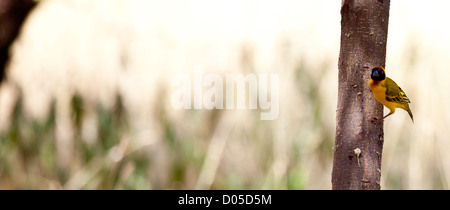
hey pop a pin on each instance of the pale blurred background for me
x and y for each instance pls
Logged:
(87, 101)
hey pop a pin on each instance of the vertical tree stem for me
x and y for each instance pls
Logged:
(359, 143)
(12, 15)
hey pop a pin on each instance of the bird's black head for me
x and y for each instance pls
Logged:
(378, 74)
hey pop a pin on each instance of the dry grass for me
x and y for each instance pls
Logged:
(87, 102)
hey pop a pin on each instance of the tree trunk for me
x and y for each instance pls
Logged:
(12, 15)
(359, 142)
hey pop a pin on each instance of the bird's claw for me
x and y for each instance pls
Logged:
(375, 120)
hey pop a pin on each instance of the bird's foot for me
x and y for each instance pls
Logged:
(375, 120)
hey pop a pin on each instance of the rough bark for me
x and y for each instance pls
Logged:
(12, 15)
(364, 29)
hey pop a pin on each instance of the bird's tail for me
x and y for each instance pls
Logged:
(410, 114)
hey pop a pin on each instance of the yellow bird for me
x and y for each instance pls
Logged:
(388, 93)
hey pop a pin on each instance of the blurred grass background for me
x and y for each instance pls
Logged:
(87, 101)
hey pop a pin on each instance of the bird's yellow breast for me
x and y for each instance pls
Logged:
(379, 93)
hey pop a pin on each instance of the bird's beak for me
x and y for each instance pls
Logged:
(375, 74)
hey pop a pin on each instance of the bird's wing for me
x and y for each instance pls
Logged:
(394, 93)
